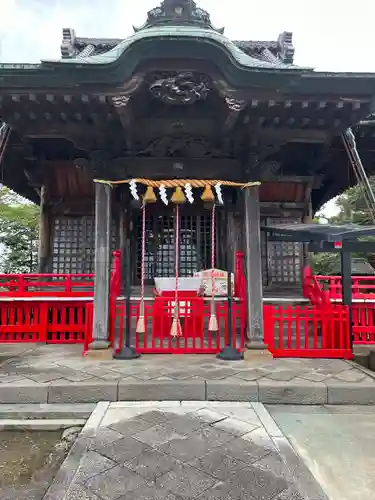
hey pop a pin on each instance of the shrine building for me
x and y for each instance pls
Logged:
(178, 100)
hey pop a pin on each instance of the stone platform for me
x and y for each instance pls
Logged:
(181, 451)
(59, 374)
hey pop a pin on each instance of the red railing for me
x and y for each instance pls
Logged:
(46, 285)
(194, 314)
(363, 315)
(45, 321)
(307, 332)
(363, 287)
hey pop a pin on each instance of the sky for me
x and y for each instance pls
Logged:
(329, 35)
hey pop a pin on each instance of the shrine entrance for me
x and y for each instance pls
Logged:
(195, 242)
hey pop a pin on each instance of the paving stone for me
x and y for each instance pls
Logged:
(235, 426)
(314, 376)
(217, 373)
(222, 491)
(298, 391)
(130, 427)
(196, 444)
(250, 375)
(290, 494)
(122, 450)
(261, 438)
(91, 464)
(173, 390)
(217, 464)
(209, 416)
(185, 481)
(114, 483)
(79, 492)
(157, 435)
(231, 389)
(155, 417)
(256, 484)
(346, 393)
(151, 464)
(282, 375)
(23, 392)
(103, 436)
(351, 376)
(148, 493)
(274, 464)
(244, 450)
(182, 424)
(82, 392)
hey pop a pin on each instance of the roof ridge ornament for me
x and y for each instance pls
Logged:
(178, 12)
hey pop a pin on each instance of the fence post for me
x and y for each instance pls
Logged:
(43, 321)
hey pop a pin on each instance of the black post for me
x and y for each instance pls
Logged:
(347, 291)
(230, 353)
(127, 352)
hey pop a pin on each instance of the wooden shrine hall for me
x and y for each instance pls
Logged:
(177, 101)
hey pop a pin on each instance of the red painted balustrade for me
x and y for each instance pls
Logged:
(46, 285)
(363, 287)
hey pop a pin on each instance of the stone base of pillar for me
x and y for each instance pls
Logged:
(100, 355)
(257, 345)
(98, 345)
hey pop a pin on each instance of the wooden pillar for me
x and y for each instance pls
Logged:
(44, 248)
(254, 269)
(102, 265)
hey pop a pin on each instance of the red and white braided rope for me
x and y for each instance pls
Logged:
(143, 257)
(177, 256)
(213, 249)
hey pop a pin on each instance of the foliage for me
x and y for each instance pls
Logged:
(19, 221)
(352, 210)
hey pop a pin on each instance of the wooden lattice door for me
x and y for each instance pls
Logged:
(73, 248)
(194, 244)
(284, 258)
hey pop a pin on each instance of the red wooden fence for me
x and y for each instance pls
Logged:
(310, 332)
(46, 285)
(43, 321)
(194, 314)
(363, 287)
(363, 323)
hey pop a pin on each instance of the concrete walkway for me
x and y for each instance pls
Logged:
(337, 444)
(59, 374)
(176, 451)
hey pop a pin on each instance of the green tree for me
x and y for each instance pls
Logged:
(352, 210)
(19, 220)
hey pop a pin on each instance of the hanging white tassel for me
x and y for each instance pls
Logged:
(176, 330)
(141, 325)
(133, 189)
(219, 193)
(213, 325)
(189, 193)
(163, 194)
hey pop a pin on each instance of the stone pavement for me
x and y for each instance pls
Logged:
(181, 451)
(59, 374)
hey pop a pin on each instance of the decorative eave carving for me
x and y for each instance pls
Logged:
(68, 48)
(275, 52)
(178, 12)
(182, 89)
(286, 48)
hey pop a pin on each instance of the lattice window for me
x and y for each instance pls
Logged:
(285, 258)
(194, 243)
(74, 244)
(263, 251)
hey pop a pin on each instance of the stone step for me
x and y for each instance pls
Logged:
(46, 411)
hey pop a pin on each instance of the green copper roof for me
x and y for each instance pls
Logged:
(179, 33)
